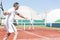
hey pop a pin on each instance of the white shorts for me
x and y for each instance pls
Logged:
(10, 27)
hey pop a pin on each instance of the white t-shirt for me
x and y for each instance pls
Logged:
(10, 17)
(31, 21)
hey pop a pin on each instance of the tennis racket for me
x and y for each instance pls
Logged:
(1, 6)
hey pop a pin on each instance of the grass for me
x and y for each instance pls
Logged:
(38, 26)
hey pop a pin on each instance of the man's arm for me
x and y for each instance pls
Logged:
(21, 16)
(5, 12)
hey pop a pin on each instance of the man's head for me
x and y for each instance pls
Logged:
(16, 5)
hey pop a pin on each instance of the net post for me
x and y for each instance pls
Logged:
(24, 26)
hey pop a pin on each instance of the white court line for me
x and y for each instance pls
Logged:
(43, 38)
(32, 39)
(53, 35)
(36, 35)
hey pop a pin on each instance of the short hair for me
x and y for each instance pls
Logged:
(15, 4)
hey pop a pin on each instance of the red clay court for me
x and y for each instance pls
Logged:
(36, 34)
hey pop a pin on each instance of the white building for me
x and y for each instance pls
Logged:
(53, 16)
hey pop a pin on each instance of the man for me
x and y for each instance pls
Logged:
(10, 14)
(31, 23)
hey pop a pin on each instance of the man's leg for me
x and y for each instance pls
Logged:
(6, 36)
(15, 35)
(32, 26)
(15, 32)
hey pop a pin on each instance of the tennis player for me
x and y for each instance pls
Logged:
(10, 14)
(31, 23)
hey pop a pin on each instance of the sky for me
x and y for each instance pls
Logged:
(38, 5)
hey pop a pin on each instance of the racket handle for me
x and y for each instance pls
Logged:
(2, 8)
